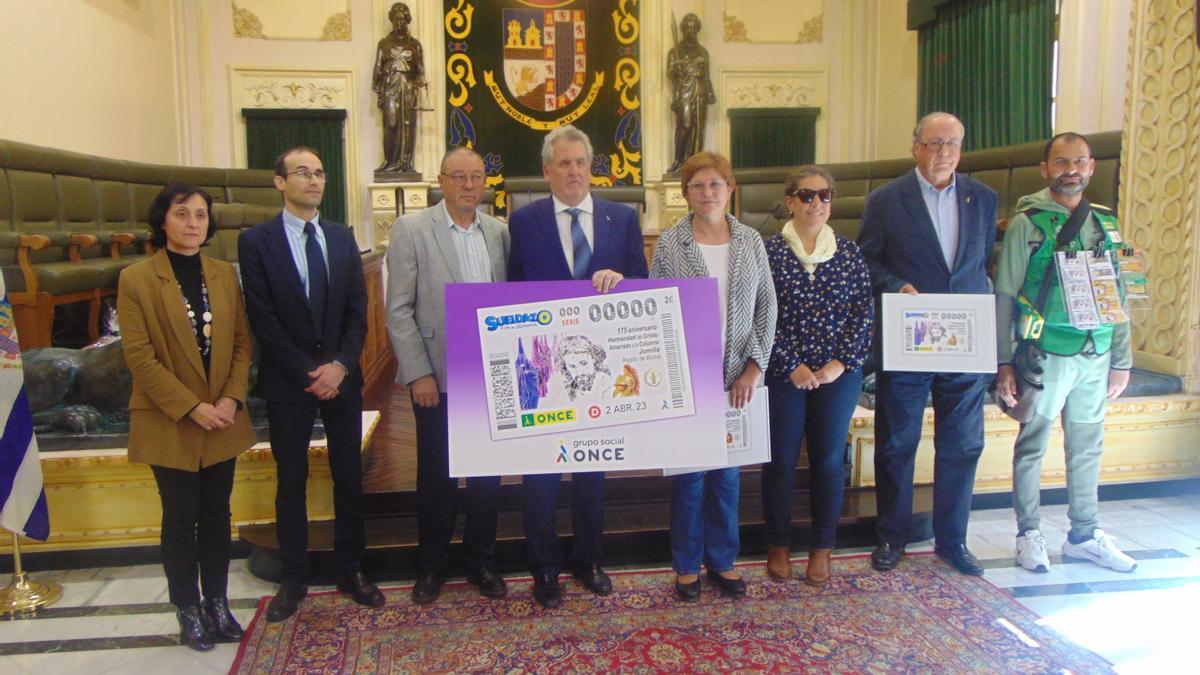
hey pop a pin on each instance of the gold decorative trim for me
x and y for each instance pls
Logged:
(458, 20)
(294, 94)
(337, 27)
(735, 30)
(246, 24)
(813, 30)
(625, 23)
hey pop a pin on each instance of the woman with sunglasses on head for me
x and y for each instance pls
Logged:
(187, 344)
(708, 242)
(814, 379)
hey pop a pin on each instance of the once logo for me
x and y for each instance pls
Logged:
(594, 411)
(592, 450)
(541, 419)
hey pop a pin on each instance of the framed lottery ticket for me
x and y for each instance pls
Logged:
(934, 332)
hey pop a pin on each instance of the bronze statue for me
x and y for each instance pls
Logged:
(691, 91)
(399, 77)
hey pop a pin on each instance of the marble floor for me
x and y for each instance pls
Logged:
(116, 619)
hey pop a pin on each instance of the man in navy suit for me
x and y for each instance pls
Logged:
(307, 304)
(570, 235)
(931, 231)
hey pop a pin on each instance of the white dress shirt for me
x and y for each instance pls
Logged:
(563, 219)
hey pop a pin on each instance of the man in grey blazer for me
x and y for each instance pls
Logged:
(449, 242)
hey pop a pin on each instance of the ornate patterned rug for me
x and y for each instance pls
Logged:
(922, 617)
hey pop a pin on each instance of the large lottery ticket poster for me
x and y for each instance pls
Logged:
(552, 377)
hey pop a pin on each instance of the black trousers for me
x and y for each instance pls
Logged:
(587, 520)
(291, 431)
(437, 498)
(195, 530)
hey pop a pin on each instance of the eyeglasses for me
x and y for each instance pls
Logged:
(307, 174)
(807, 196)
(936, 145)
(460, 179)
(712, 185)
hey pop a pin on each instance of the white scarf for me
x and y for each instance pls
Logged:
(824, 249)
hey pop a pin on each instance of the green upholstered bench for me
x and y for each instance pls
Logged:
(70, 222)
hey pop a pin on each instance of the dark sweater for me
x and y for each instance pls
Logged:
(188, 273)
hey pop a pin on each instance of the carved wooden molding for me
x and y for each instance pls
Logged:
(1160, 178)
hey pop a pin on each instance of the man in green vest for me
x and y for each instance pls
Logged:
(1081, 368)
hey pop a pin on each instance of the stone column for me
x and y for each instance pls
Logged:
(1160, 182)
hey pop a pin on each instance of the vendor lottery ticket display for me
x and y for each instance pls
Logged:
(584, 363)
(1090, 289)
(553, 377)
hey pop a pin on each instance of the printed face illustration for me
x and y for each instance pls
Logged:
(580, 368)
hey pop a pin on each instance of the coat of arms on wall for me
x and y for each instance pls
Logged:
(545, 56)
(517, 68)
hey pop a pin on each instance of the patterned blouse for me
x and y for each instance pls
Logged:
(824, 318)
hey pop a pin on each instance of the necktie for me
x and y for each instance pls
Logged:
(580, 247)
(317, 281)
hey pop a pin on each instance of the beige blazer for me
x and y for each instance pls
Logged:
(421, 260)
(168, 375)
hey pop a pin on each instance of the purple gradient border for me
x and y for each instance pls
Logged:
(466, 393)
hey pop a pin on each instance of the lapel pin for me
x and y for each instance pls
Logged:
(968, 199)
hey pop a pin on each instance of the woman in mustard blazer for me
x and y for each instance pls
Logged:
(188, 346)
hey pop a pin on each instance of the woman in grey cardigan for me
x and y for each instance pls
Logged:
(710, 243)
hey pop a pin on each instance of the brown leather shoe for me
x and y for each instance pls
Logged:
(818, 567)
(779, 563)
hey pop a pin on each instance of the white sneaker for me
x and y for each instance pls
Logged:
(1102, 550)
(1031, 552)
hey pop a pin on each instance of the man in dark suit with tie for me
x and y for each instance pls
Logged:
(307, 304)
(570, 235)
(931, 231)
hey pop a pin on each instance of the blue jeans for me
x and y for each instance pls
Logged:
(822, 417)
(704, 520)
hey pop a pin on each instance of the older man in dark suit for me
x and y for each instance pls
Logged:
(571, 235)
(307, 304)
(931, 231)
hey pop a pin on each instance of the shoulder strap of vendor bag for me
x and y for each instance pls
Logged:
(1069, 229)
